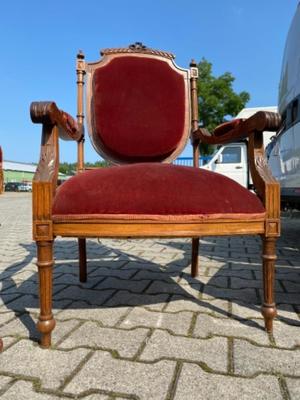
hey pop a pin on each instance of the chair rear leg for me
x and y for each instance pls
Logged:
(268, 309)
(46, 322)
(82, 260)
(195, 257)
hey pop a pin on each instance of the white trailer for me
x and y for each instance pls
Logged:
(284, 150)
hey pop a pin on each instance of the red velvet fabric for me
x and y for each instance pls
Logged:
(227, 126)
(153, 189)
(138, 108)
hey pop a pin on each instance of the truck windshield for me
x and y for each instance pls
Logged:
(231, 154)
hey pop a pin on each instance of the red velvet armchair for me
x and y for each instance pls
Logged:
(141, 109)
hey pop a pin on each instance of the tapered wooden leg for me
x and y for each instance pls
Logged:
(46, 322)
(1, 345)
(268, 310)
(195, 258)
(82, 259)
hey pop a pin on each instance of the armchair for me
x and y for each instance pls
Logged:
(141, 109)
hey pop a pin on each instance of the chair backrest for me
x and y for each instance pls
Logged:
(137, 105)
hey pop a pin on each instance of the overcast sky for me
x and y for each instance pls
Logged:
(40, 40)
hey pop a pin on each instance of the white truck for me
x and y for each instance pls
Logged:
(232, 159)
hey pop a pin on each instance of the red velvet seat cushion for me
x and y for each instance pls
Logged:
(153, 189)
(138, 107)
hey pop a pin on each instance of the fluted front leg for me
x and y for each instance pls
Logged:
(46, 322)
(268, 310)
(195, 258)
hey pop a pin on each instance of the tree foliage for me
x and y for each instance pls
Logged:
(70, 168)
(218, 101)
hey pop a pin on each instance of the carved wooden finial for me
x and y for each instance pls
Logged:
(80, 55)
(138, 46)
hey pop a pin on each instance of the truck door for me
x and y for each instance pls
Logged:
(232, 162)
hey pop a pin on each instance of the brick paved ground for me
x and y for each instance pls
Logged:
(141, 327)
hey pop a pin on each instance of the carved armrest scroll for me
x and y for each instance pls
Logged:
(47, 113)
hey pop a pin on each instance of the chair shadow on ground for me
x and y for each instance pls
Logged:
(106, 262)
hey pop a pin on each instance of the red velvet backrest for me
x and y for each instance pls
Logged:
(137, 107)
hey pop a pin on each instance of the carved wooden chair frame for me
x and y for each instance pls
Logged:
(45, 230)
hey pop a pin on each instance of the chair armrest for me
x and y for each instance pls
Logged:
(47, 113)
(266, 186)
(238, 129)
(55, 124)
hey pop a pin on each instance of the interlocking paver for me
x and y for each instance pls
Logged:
(219, 281)
(162, 320)
(92, 296)
(72, 279)
(148, 381)
(171, 288)
(293, 388)
(164, 276)
(24, 326)
(117, 273)
(286, 335)
(245, 310)
(250, 359)
(212, 352)
(51, 367)
(125, 298)
(108, 316)
(290, 286)
(215, 307)
(30, 303)
(288, 298)
(194, 383)
(5, 317)
(125, 284)
(211, 292)
(90, 334)
(4, 380)
(22, 390)
(207, 326)
(238, 283)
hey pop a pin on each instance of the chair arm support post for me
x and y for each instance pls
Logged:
(44, 184)
(80, 71)
(195, 112)
(266, 186)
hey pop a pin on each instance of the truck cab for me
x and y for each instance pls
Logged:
(231, 160)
